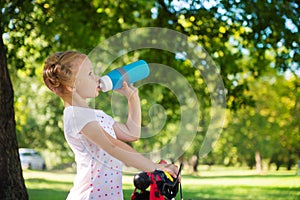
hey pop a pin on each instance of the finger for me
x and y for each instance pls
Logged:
(173, 174)
(175, 170)
(131, 86)
(179, 179)
(172, 169)
(125, 84)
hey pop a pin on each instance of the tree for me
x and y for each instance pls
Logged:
(232, 31)
(11, 181)
(267, 132)
(31, 30)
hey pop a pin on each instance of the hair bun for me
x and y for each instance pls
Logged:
(52, 74)
(59, 69)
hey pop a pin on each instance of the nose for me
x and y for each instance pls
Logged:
(95, 77)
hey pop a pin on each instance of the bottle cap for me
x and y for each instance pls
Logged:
(106, 83)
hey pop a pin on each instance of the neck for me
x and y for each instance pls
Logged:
(75, 100)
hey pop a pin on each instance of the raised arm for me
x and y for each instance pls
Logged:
(131, 131)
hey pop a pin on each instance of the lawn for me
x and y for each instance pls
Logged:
(217, 183)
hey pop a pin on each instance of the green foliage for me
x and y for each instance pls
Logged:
(245, 39)
(35, 29)
(269, 127)
(233, 30)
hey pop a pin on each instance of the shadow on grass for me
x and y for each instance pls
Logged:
(42, 180)
(39, 188)
(47, 194)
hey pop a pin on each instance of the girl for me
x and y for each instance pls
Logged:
(97, 141)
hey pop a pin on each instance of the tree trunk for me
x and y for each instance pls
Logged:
(11, 179)
(258, 162)
(290, 163)
(194, 162)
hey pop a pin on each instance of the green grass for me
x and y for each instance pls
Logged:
(218, 183)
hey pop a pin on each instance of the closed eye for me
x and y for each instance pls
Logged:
(92, 75)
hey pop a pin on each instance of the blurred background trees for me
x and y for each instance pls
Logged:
(255, 44)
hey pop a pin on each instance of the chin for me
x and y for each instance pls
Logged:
(96, 94)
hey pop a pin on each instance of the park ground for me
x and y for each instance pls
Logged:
(215, 183)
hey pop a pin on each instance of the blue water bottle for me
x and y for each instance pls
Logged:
(130, 73)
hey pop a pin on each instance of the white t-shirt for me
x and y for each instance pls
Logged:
(99, 175)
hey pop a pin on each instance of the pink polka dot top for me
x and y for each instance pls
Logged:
(99, 175)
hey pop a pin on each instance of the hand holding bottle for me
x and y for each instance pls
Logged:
(127, 90)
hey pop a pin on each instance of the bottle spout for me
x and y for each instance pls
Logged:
(105, 83)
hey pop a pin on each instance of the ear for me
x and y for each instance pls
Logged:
(70, 88)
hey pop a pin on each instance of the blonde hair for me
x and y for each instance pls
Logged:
(60, 70)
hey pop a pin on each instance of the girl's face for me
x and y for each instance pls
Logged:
(86, 82)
